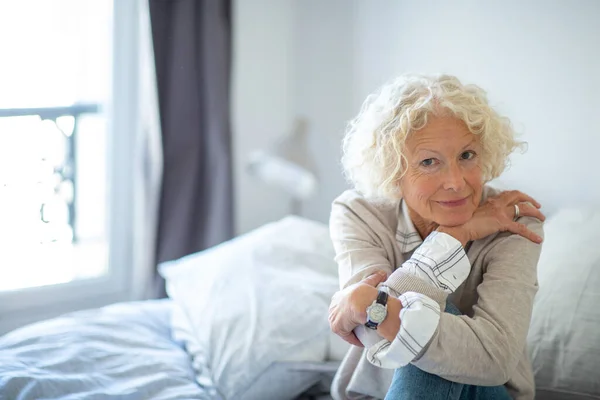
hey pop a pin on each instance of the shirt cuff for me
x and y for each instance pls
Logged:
(440, 260)
(419, 320)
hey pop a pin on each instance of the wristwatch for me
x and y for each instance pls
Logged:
(377, 311)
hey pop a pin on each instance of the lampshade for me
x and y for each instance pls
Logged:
(286, 164)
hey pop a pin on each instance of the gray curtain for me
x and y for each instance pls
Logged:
(192, 50)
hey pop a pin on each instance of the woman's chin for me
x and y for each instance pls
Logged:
(454, 219)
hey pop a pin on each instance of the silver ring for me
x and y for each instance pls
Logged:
(517, 212)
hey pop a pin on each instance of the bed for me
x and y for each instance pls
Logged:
(123, 351)
(199, 345)
(194, 346)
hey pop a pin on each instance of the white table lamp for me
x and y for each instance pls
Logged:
(286, 165)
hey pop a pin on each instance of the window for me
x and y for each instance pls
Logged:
(57, 139)
(55, 80)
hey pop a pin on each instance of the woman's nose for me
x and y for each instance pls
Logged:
(454, 179)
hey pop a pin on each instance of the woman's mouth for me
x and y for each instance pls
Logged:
(454, 203)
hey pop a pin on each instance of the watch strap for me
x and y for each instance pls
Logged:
(382, 297)
(371, 324)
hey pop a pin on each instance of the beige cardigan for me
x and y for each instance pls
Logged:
(486, 346)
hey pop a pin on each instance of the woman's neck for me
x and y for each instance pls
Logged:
(423, 226)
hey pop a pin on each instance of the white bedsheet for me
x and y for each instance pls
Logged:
(123, 351)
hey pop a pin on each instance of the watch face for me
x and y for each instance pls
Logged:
(377, 313)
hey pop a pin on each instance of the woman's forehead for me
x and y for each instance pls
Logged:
(441, 133)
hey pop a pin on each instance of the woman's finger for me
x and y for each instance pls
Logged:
(375, 279)
(515, 196)
(522, 230)
(338, 328)
(527, 210)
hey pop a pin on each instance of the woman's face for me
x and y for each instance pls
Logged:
(443, 180)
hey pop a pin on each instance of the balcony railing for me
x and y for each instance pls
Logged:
(64, 172)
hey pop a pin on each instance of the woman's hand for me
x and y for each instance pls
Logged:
(497, 214)
(348, 307)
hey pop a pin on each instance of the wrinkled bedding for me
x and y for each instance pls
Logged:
(123, 351)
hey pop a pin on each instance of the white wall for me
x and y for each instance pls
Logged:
(324, 90)
(292, 59)
(538, 60)
(261, 100)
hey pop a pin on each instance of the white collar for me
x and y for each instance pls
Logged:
(406, 234)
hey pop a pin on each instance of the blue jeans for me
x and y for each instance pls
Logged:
(411, 383)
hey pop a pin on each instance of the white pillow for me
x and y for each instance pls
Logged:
(563, 337)
(256, 300)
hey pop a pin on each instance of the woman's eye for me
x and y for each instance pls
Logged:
(428, 162)
(467, 155)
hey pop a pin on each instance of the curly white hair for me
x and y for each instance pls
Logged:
(373, 147)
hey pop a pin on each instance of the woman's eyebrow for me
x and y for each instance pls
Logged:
(470, 143)
(419, 149)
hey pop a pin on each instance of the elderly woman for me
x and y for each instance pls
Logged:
(437, 270)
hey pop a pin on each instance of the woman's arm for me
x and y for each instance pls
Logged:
(480, 350)
(364, 246)
(484, 349)
(438, 258)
